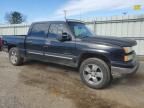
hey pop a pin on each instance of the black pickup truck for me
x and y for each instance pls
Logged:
(71, 43)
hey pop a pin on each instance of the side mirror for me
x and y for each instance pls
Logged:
(64, 37)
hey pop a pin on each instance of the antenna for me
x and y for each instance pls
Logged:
(65, 14)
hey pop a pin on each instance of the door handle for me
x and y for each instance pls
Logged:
(29, 42)
(46, 46)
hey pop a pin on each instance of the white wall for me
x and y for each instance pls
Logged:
(17, 29)
(121, 26)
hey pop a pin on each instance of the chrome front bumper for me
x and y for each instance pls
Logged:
(123, 71)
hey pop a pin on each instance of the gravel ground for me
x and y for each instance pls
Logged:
(43, 85)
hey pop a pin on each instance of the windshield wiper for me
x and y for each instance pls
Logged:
(83, 36)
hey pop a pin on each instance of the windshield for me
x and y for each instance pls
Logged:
(80, 30)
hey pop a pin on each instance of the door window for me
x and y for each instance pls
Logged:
(39, 30)
(56, 30)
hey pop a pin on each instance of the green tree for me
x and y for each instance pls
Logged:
(15, 17)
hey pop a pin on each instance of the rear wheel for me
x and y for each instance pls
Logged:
(95, 73)
(14, 57)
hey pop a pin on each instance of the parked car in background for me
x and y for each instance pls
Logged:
(71, 43)
(0, 43)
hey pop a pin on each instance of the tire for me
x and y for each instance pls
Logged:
(14, 57)
(95, 73)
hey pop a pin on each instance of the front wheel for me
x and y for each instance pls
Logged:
(95, 73)
(14, 57)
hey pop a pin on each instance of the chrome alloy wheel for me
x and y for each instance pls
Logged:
(93, 74)
(13, 57)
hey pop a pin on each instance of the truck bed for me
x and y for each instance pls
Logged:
(13, 40)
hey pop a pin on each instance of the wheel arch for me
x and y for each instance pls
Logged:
(85, 56)
(11, 46)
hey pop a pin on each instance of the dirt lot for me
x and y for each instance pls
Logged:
(43, 85)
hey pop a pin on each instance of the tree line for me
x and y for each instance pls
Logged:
(15, 17)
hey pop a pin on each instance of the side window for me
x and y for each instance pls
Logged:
(56, 30)
(80, 30)
(39, 30)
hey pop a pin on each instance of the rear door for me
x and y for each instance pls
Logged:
(61, 52)
(36, 39)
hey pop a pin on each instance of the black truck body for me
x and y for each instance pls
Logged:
(71, 43)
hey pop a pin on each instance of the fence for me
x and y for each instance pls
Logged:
(118, 26)
(121, 26)
(16, 29)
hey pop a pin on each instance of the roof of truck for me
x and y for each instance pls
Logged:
(68, 20)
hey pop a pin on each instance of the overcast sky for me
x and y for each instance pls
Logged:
(36, 10)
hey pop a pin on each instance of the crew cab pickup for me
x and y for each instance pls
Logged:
(71, 43)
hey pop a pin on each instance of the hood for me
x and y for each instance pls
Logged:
(122, 42)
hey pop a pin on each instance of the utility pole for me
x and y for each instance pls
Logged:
(65, 14)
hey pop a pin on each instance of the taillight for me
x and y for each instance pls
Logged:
(0, 41)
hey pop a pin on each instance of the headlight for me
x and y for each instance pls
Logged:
(128, 49)
(128, 57)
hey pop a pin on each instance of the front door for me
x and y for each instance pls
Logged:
(61, 52)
